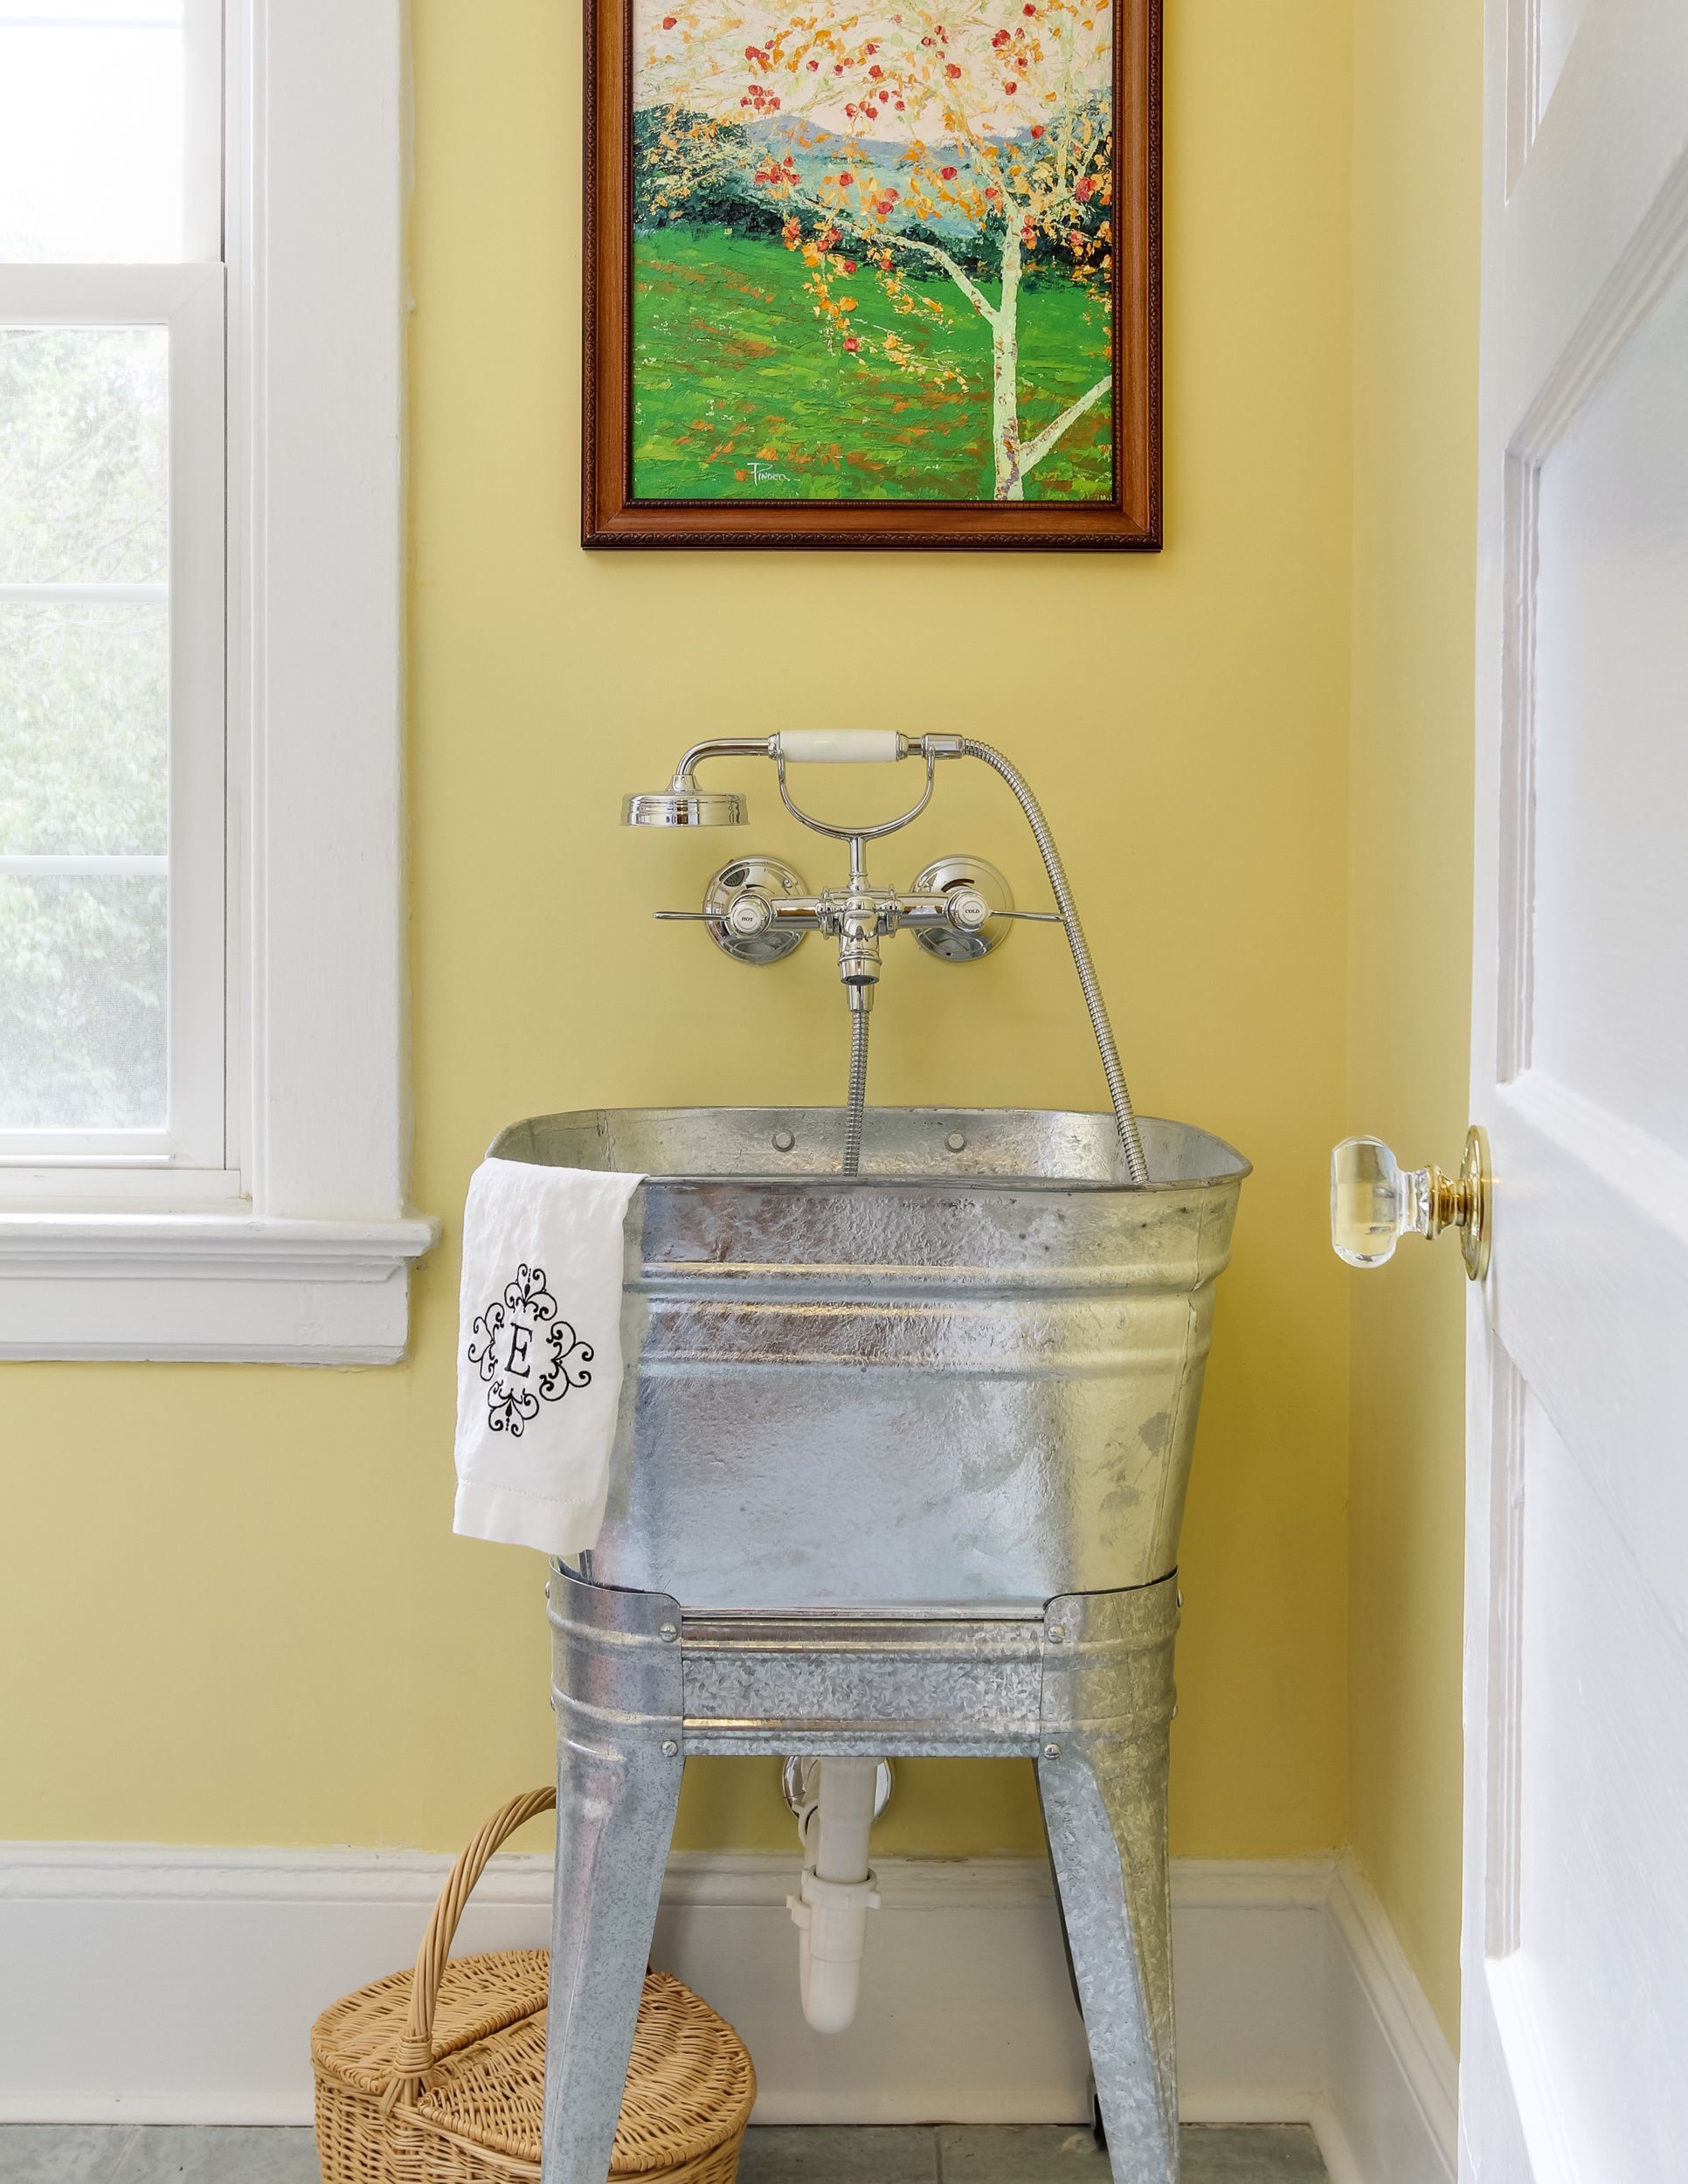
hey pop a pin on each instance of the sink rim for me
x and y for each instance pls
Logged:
(1237, 1169)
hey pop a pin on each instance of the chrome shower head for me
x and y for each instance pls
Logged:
(683, 803)
(690, 806)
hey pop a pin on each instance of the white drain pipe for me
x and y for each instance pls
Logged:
(836, 1810)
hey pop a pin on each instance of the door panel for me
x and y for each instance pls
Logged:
(1610, 712)
(1602, 1884)
(1576, 1933)
(1591, 1300)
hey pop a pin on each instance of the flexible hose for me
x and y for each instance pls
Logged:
(1129, 1138)
(858, 1098)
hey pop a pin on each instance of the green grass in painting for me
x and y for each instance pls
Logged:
(737, 397)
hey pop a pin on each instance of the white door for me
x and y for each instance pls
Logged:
(1574, 2051)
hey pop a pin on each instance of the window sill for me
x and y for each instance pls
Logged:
(229, 1288)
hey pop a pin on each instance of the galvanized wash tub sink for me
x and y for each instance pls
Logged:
(966, 1378)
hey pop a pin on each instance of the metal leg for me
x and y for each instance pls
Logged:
(617, 1691)
(1107, 1701)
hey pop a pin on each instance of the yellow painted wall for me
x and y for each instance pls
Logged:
(233, 1592)
(1417, 138)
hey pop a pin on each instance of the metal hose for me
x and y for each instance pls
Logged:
(858, 1095)
(1131, 1140)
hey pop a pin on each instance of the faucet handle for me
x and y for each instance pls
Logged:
(1375, 1201)
(756, 909)
(968, 904)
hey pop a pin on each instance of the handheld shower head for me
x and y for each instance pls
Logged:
(691, 806)
(683, 803)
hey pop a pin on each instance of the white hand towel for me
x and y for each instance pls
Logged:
(539, 1353)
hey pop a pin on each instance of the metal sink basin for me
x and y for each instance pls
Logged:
(965, 1379)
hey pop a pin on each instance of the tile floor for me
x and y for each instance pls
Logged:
(951, 2153)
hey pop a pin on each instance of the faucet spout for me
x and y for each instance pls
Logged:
(858, 953)
(864, 914)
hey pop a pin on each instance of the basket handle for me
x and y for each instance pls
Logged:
(415, 2050)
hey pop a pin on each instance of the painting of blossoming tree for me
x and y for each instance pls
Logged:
(871, 256)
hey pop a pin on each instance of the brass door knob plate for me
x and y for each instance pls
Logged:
(1375, 1201)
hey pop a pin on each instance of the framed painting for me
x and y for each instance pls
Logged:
(872, 275)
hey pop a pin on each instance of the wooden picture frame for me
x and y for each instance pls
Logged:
(828, 225)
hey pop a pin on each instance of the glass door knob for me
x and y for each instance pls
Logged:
(1374, 1200)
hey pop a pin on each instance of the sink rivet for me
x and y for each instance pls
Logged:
(1052, 1752)
(956, 1141)
(669, 1747)
(783, 1141)
(669, 1633)
(1056, 1634)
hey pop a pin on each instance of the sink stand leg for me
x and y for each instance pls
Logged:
(619, 1764)
(1103, 1780)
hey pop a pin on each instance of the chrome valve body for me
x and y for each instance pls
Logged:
(758, 912)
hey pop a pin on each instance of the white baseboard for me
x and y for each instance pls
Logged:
(1391, 2105)
(156, 1985)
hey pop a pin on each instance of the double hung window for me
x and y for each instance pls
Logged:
(201, 1103)
(112, 589)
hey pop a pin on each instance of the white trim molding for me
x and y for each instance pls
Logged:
(215, 1287)
(296, 1243)
(162, 1985)
(1390, 2113)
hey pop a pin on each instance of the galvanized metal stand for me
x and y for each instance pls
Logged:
(1085, 1690)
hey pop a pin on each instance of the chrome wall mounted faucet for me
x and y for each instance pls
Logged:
(758, 908)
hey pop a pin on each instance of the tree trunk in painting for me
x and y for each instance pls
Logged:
(1004, 375)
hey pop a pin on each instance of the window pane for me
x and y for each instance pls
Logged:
(84, 729)
(84, 724)
(91, 131)
(82, 991)
(85, 452)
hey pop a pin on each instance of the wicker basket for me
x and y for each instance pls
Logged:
(437, 2076)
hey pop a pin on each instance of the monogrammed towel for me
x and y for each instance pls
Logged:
(539, 1353)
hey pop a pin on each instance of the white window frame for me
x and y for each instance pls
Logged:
(279, 1227)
